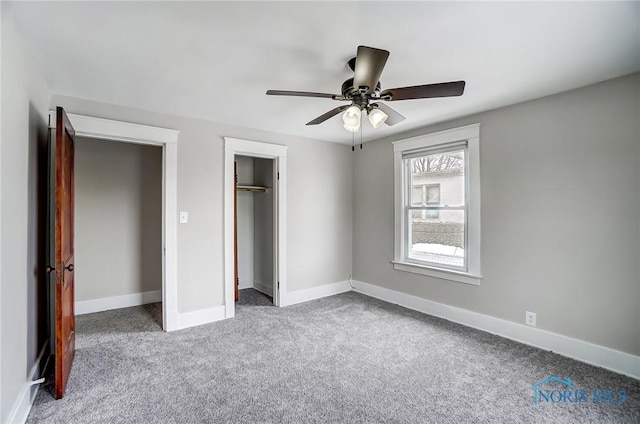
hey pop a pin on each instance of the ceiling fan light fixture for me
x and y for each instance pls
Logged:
(351, 117)
(352, 128)
(377, 117)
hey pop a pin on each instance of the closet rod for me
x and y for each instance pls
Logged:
(255, 189)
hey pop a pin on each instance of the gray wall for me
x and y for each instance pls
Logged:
(25, 101)
(319, 190)
(118, 214)
(560, 206)
(263, 225)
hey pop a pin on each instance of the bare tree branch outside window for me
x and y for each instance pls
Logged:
(438, 162)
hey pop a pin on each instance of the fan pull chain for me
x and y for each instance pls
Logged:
(360, 136)
(353, 142)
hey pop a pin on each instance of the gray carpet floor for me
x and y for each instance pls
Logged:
(342, 359)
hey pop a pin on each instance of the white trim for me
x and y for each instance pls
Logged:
(433, 139)
(116, 302)
(200, 317)
(254, 148)
(170, 237)
(579, 350)
(263, 288)
(233, 147)
(91, 127)
(22, 406)
(445, 274)
(280, 285)
(87, 126)
(313, 293)
(470, 133)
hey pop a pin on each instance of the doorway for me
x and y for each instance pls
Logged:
(118, 223)
(167, 139)
(255, 225)
(271, 158)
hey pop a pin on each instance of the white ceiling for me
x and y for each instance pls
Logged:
(215, 60)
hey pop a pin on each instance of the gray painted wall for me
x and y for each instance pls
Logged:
(25, 101)
(118, 214)
(560, 206)
(263, 225)
(319, 190)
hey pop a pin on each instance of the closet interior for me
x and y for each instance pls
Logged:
(254, 227)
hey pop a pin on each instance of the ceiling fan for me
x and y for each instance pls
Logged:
(364, 92)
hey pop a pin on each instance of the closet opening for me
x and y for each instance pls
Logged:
(119, 225)
(166, 148)
(265, 156)
(255, 224)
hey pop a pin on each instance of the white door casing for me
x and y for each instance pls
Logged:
(105, 129)
(233, 147)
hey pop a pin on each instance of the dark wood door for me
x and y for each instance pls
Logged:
(64, 320)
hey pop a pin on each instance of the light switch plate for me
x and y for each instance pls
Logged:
(184, 217)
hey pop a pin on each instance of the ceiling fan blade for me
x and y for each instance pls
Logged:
(300, 94)
(445, 89)
(369, 65)
(393, 117)
(333, 112)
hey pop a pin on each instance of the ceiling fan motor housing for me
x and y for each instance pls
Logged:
(353, 93)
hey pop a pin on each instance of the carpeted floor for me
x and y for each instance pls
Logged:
(342, 359)
(250, 298)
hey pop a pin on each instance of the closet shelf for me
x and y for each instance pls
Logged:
(255, 189)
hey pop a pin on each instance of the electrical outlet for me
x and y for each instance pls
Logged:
(530, 318)
(184, 217)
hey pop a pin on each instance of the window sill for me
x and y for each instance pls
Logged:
(445, 274)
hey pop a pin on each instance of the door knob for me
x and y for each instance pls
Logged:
(69, 267)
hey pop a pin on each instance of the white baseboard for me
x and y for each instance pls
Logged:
(201, 316)
(116, 302)
(614, 360)
(22, 406)
(263, 288)
(305, 295)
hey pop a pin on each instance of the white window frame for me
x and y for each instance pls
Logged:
(470, 134)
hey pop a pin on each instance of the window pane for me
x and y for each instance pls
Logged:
(440, 241)
(425, 215)
(432, 214)
(438, 179)
(433, 194)
(417, 195)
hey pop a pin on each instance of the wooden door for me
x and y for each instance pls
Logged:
(235, 231)
(64, 318)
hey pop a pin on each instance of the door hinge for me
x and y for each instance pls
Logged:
(278, 285)
(278, 176)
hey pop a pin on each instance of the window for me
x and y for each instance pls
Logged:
(437, 211)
